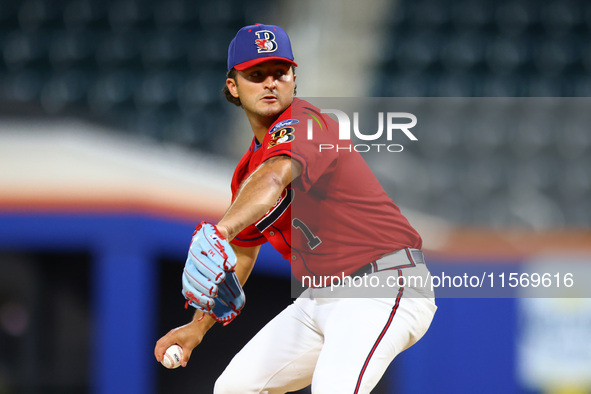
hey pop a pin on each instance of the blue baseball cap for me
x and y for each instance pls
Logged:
(259, 43)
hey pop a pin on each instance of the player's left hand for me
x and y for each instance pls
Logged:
(209, 281)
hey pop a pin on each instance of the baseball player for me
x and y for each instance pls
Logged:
(326, 213)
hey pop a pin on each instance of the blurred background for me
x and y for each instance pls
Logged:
(115, 141)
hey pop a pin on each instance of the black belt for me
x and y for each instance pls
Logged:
(415, 256)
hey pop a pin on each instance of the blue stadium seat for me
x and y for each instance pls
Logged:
(22, 87)
(505, 54)
(574, 182)
(470, 15)
(157, 90)
(554, 56)
(514, 17)
(414, 84)
(498, 48)
(456, 84)
(559, 18)
(153, 123)
(441, 177)
(66, 90)
(25, 50)
(547, 86)
(70, 49)
(129, 14)
(415, 52)
(487, 128)
(573, 141)
(112, 91)
(207, 51)
(118, 50)
(440, 136)
(201, 128)
(215, 14)
(463, 51)
(9, 16)
(125, 62)
(175, 14)
(86, 15)
(494, 85)
(200, 90)
(540, 173)
(450, 207)
(532, 130)
(163, 50)
(40, 14)
(578, 213)
(428, 14)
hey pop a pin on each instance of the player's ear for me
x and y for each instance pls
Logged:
(231, 84)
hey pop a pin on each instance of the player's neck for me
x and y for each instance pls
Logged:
(260, 125)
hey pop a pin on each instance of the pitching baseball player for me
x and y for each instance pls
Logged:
(326, 213)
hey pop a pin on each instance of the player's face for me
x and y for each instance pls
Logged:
(266, 89)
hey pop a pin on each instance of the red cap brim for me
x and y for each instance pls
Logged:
(254, 62)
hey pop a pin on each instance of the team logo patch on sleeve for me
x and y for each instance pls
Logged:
(282, 124)
(281, 136)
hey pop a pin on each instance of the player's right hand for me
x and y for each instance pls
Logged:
(187, 337)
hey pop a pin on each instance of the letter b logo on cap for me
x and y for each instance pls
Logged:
(265, 41)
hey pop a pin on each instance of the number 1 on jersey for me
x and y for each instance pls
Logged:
(313, 241)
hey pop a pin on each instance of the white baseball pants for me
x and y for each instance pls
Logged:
(336, 344)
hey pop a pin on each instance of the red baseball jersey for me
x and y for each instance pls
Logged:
(335, 217)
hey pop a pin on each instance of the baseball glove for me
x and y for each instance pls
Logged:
(209, 281)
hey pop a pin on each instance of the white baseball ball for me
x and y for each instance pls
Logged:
(172, 357)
